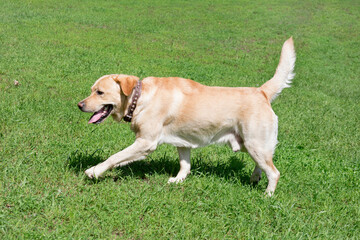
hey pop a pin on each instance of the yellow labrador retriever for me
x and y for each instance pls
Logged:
(188, 115)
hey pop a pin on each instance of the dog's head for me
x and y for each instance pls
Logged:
(108, 96)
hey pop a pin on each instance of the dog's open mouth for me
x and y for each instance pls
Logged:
(102, 114)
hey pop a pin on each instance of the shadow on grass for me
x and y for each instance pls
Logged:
(232, 169)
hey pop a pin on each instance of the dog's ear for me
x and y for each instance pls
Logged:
(126, 82)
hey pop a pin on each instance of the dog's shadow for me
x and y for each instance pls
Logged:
(232, 169)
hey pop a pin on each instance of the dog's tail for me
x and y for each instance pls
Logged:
(284, 72)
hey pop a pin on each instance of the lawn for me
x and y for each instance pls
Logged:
(56, 50)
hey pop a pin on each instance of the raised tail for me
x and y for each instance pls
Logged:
(284, 72)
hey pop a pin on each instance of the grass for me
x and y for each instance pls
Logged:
(57, 49)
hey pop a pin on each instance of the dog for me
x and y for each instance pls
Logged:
(189, 115)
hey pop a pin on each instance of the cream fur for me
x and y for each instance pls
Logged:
(188, 115)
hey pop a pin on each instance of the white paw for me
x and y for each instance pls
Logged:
(268, 193)
(176, 180)
(91, 172)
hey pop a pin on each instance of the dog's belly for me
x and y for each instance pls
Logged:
(194, 141)
(178, 141)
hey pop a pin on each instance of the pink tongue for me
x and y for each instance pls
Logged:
(95, 117)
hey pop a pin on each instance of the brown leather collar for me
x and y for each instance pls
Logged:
(131, 109)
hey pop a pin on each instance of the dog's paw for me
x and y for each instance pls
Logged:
(91, 172)
(255, 178)
(176, 180)
(268, 193)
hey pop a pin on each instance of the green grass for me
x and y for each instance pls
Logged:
(57, 49)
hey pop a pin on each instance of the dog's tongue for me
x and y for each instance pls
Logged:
(94, 118)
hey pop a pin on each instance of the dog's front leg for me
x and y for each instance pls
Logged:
(137, 151)
(184, 157)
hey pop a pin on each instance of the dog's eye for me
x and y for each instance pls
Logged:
(99, 92)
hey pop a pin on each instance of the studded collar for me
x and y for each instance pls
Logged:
(136, 96)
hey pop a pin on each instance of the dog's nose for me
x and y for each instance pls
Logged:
(81, 105)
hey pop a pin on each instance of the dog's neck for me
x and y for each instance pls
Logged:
(135, 97)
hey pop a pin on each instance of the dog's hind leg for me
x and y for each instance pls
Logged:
(184, 157)
(263, 160)
(256, 175)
